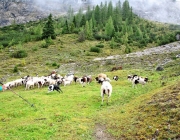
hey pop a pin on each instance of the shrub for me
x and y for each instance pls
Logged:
(100, 37)
(19, 54)
(43, 44)
(54, 64)
(15, 69)
(128, 50)
(35, 48)
(46, 42)
(95, 49)
(82, 36)
(49, 41)
(100, 45)
(1, 46)
(5, 43)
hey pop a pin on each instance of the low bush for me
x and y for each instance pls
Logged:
(15, 69)
(95, 49)
(100, 45)
(19, 54)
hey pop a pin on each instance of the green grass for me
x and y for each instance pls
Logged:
(75, 113)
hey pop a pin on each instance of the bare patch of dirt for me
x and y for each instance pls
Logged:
(101, 134)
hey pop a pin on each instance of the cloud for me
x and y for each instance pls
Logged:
(158, 10)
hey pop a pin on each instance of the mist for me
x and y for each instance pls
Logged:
(165, 11)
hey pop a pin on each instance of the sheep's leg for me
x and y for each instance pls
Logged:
(102, 100)
(108, 98)
(26, 87)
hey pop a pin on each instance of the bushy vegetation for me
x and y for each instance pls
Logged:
(19, 54)
(102, 22)
(95, 49)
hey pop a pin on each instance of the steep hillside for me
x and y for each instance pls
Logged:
(23, 11)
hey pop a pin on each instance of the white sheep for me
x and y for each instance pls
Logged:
(66, 82)
(29, 83)
(106, 88)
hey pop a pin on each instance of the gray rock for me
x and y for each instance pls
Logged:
(159, 68)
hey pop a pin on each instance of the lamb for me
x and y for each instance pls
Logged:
(106, 88)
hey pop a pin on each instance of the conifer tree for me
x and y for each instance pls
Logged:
(104, 13)
(65, 28)
(97, 14)
(83, 21)
(79, 18)
(109, 29)
(74, 22)
(88, 13)
(91, 28)
(125, 10)
(48, 30)
(110, 10)
(87, 30)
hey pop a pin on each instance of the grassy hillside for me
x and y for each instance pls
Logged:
(133, 113)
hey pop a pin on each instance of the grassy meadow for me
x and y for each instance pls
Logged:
(77, 114)
(149, 112)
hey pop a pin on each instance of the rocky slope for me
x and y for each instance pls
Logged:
(23, 11)
(150, 58)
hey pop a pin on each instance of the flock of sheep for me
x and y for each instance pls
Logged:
(54, 80)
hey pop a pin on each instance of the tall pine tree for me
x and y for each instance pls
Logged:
(48, 30)
(109, 29)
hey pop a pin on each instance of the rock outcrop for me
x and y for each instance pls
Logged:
(22, 11)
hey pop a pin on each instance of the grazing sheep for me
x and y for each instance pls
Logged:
(115, 77)
(9, 85)
(66, 82)
(101, 77)
(85, 80)
(69, 77)
(75, 79)
(106, 88)
(99, 80)
(116, 68)
(18, 82)
(137, 80)
(29, 84)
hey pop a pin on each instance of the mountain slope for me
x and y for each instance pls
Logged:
(31, 10)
